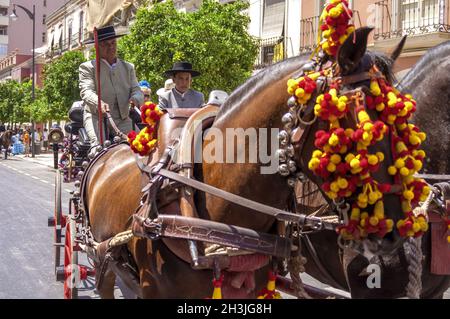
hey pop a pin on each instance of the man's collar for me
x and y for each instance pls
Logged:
(179, 93)
(111, 66)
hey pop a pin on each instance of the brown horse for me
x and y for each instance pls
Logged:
(5, 141)
(115, 181)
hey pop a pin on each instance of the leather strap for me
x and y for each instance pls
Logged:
(197, 229)
(279, 214)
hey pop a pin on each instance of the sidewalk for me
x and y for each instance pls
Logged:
(42, 159)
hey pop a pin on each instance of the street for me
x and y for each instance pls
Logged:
(26, 261)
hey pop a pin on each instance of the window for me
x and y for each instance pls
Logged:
(3, 11)
(45, 3)
(3, 30)
(3, 49)
(81, 24)
(419, 13)
(43, 37)
(44, 17)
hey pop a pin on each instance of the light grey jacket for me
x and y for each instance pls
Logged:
(118, 86)
(173, 99)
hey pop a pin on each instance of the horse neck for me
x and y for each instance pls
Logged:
(263, 111)
(426, 67)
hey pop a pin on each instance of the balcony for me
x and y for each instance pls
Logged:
(425, 22)
(309, 28)
(271, 50)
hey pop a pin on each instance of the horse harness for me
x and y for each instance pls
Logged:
(168, 185)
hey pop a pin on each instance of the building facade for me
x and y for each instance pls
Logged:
(4, 28)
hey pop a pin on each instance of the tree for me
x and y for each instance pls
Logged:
(61, 85)
(214, 39)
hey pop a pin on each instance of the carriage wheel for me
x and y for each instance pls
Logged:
(71, 267)
(57, 215)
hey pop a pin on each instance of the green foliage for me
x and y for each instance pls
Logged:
(61, 85)
(214, 39)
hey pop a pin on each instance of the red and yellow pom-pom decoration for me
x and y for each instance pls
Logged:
(335, 26)
(343, 160)
(145, 141)
(270, 292)
(303, 87)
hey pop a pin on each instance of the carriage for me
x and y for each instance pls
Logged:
(168, 224)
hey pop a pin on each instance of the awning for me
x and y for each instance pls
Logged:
(273, 20)
(100, 12)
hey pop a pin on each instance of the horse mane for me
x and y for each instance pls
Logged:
(260, 80)
(428, 63)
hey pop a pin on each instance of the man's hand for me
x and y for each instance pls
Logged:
(131, 102)
(105, 107)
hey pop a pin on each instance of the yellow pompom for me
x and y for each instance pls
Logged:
(333, 140)
(363, 116)
(373, 221)
(313, 163)
(362, 198)
(354, 163)
(408, 195)
(375, 88)
(380, 107)
(299, 92)
(331, 167)
(389, 224)
(400, 223)
(379, 210)
(335, 158)
(317, 154)
(392, 170)
(414, 139)
(404, 171)
(355, 214)
(334, 187)
(380, 156)
(422, 136)
(343, 183)
(399, 163)
(372, 159)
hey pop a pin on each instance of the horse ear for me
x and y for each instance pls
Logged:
(353, 49)
(398, 50)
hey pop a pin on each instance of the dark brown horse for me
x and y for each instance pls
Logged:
(428, 82)
(115, 181)
(5, 141)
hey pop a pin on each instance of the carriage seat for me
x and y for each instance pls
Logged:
(170, 126)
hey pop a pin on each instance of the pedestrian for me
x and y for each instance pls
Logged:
(181, 96)
(146, 90)
(45, 139)
(119, 87)
(168, 85)
(26, 143)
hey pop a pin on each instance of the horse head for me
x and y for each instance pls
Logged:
(355, 143)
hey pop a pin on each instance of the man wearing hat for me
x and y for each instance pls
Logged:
(119, 86)
(181, 96)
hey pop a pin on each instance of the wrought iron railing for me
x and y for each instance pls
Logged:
(271, 50)
(309, 29)
(394, 19)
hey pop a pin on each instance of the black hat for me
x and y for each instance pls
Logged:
(105, 33)
(182, 67)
